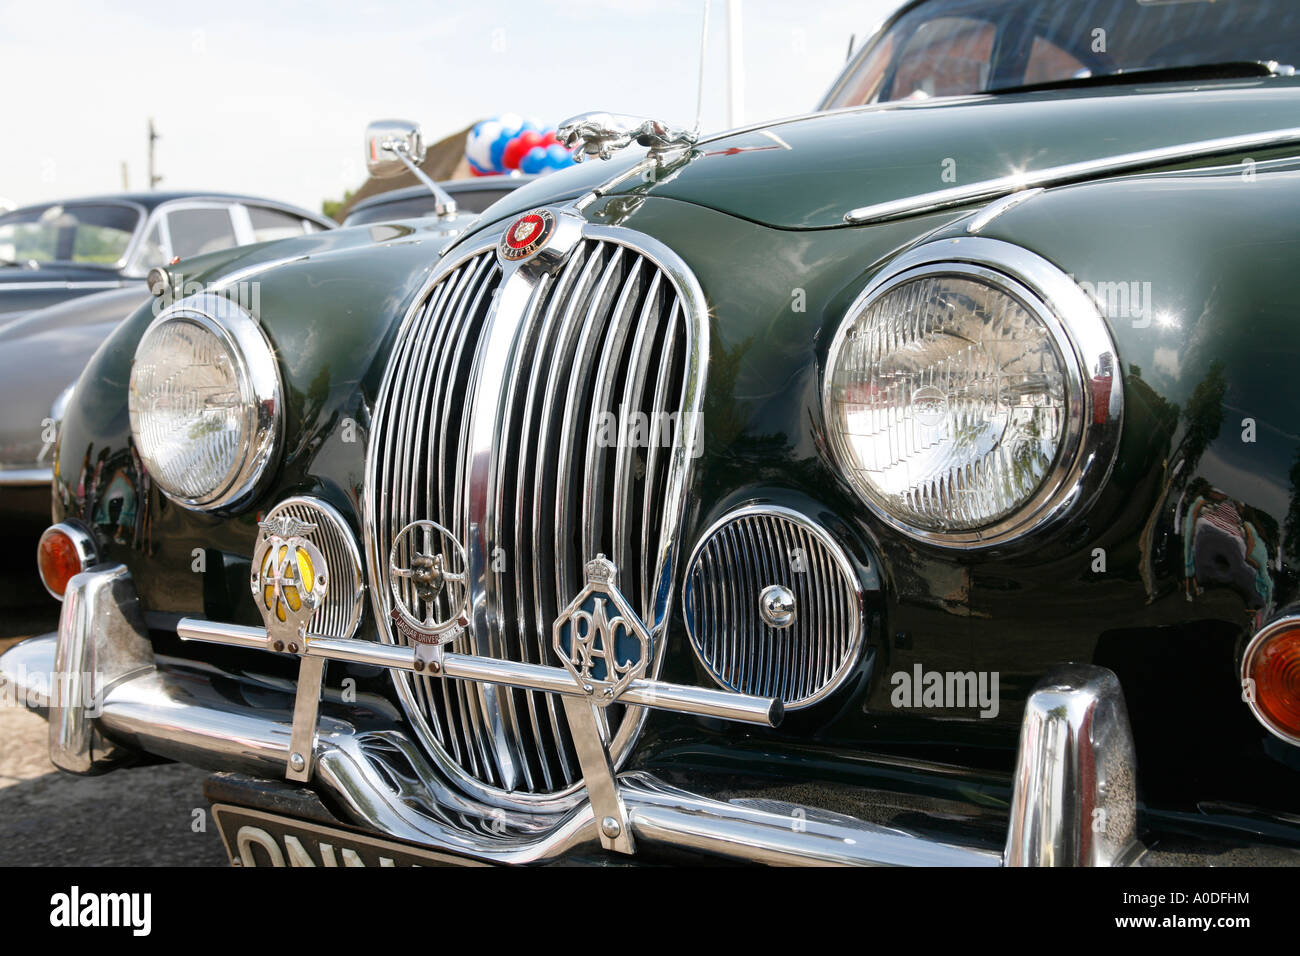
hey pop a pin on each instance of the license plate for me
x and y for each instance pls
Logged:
(255, 838)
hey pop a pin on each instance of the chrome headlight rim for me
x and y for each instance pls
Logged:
(258, 375)
(1083, 342)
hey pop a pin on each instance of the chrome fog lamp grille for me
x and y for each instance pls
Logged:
(773, 606)
(567, 361)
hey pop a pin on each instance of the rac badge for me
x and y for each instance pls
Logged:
(429, 580)
(525, 236)
(289, 579)
(599, 638)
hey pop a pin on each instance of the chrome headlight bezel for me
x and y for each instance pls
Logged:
(258, 375)
(1093, 381)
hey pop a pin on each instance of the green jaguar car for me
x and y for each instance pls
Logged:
(911, 482)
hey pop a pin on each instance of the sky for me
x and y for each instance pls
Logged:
(272, 98)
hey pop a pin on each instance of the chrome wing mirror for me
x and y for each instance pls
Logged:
(397, 146)
(600, 135)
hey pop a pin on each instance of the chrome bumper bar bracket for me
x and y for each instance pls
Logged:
(1075, 795)
(581, 708)
(103, 642)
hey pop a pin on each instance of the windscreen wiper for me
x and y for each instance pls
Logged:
(1237, 69)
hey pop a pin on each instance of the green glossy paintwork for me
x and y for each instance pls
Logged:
(807, 173)
(1219, 250)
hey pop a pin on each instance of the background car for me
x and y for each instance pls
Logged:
(411, 202)
(60, 250)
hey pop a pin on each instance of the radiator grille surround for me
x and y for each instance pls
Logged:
(503, 416)
(743, 554)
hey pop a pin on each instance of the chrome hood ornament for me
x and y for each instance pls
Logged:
(600, 135)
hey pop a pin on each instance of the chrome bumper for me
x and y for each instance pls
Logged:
(26, 477)
(105, 698)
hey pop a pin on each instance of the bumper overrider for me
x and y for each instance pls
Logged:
(107, 698)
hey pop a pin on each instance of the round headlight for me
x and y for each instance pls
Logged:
(205, 402)
(955, 398)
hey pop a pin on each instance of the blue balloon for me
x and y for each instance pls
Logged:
(533, 161)
(559, 156)
(498, 148)
(544, 159)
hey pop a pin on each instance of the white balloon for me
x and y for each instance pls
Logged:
(478, 145)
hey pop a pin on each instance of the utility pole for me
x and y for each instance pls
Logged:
(154, 178)
(126, 184)
(735, 66)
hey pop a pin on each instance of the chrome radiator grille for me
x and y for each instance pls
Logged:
(596, 350)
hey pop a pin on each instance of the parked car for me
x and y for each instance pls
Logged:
(69, 273)
(413, 202)
(56, 251)
(911, 482)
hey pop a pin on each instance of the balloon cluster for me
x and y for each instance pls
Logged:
(509, 142)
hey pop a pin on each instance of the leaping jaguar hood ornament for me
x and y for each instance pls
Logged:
(600, 135)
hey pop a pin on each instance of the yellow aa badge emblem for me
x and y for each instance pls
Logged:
(289, 577)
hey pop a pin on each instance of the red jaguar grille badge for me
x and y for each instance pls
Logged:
(525, 236)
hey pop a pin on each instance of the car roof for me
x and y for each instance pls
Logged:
(152, 200)
(453, 186)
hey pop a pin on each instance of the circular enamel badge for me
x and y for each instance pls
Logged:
(526, 235)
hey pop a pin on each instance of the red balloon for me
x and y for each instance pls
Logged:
(518, 148)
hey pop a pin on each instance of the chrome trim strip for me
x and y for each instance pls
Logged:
(1074, 801)
(996, 208)
(1059, 175)
(1091, 437)
(25, 476)
(71, 284)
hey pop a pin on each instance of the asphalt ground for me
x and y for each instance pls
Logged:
(138, 816)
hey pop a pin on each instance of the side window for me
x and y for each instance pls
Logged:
(196, 231)
(945, 57)
(1048, 63)
(477, 200)
(151, 252)
(864, 86)
(271, 224)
